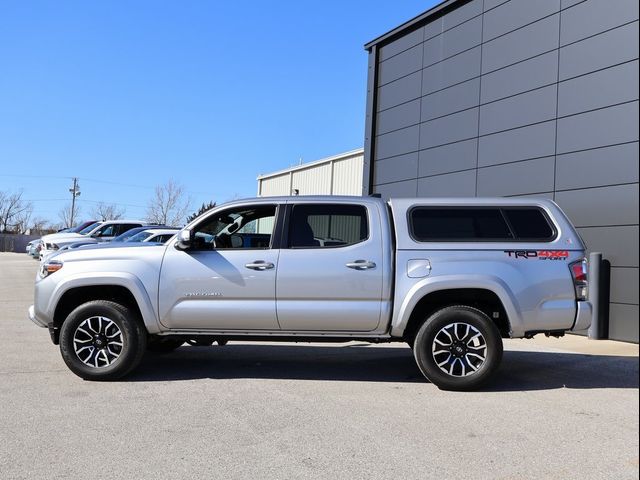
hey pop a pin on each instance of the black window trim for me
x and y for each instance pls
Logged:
(501, 209)
(273, 241)
(287, 225)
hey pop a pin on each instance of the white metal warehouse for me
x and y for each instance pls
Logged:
(337, 175)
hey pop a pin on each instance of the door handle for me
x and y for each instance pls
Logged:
(260, 265)
(361, 265)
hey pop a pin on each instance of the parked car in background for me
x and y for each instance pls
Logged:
(78, 228)
(34, 248)
(96, 233)
(124, 237)
(157, 235)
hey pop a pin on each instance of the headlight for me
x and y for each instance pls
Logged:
(50, 267)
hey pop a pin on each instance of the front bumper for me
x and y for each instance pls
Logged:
(35, 319)
(584, 315)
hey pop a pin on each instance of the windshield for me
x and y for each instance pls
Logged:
(124, 237)
(139, 237)
(88, 229)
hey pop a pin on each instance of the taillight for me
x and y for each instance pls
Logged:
(580, 280)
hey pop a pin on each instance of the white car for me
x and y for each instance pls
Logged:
(95, 233)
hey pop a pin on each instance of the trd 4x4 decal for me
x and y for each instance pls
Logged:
(539, 254)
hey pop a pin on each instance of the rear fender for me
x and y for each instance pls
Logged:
(424, 287)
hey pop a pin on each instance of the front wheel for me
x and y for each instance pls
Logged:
(102, 340)
(458, 348)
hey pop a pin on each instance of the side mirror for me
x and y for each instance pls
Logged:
(183, 240)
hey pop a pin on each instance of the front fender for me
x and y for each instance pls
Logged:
(450, 282)
(121, 279)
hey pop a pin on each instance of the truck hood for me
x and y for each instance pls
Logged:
(110, 251)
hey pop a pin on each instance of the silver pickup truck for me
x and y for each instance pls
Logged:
(450, 277)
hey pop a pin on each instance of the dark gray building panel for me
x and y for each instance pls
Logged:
(396, 169)
(531, 176)
(516, 14)
(450, 100)
(448, 158)
(451, 71)
(619, 244)
(600, 51)
(400, 91)
(627, 330)
(452, 128)
(454, 41)
(404, 115)
(460, 184)
(397, 142)
(401, 65)
(518, 98)
(521, 77)
(595, 16)
(462, 14)
(623, 285)
(403, 43)
(598, 167)
(598, 128)
(602, 206)
(527, 42)
(407, 188)
(518, 111)
(517, 144)
(618, 84)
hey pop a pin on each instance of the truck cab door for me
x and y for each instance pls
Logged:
(330, 270)
(222, 281)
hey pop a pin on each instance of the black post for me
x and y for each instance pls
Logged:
(604, 299)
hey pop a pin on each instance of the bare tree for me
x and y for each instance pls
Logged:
(169, 205)
(105, 211)
(23, 220)
(13, 210)
(65, 214)
(38, 225)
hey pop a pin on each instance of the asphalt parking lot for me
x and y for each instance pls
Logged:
(288, 411)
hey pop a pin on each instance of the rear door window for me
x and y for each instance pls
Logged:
(327, 225)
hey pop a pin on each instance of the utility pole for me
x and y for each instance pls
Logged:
(75, 192)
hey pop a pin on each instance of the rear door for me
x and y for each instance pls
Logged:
(330, 268)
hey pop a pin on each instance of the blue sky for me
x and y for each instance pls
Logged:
(127, 95)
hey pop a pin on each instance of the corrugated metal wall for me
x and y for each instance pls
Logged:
(313, 181)
(338, 175)
(275, 185)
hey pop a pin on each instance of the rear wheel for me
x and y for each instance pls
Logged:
(102, 340)
(458, 348)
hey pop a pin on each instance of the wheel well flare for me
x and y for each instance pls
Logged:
(75, 297)
(482, 299)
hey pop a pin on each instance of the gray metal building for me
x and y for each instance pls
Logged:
(514, 98)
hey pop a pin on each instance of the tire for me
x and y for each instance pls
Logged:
(162, 345)
(458, 348)
(102, 340)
